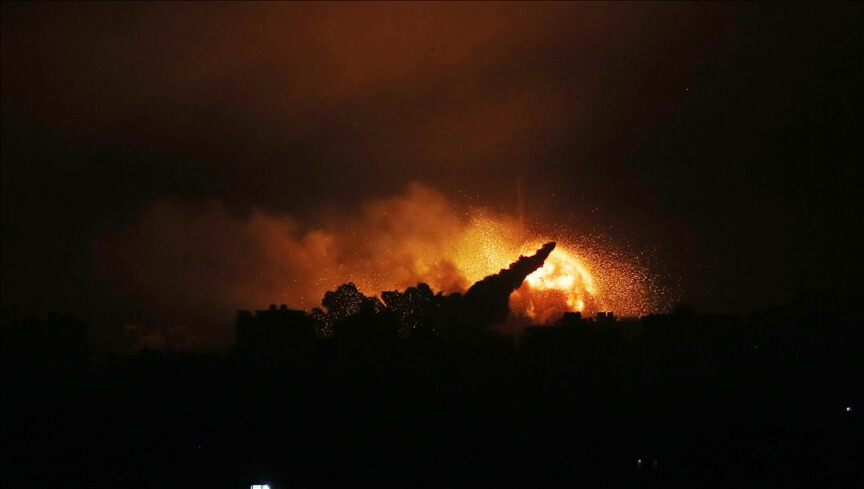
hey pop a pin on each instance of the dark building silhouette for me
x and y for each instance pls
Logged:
(274, 332)
(53, 341)
(605, 317)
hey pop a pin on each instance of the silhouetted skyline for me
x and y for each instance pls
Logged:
(166, 164)
(410, 392)
(455, 244)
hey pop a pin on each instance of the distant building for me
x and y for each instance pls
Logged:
(605, 317)
(273, 332)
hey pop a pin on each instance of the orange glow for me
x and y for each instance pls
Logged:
(388, 244)
(572, 279)
(425, 241)
(420, 237)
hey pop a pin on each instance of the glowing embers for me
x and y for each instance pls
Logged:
(588, 278)
(562, 285)
(421, 237)
(565, 283)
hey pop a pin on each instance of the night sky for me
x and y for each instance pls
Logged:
(721, 143)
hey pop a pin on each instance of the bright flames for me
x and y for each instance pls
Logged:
(388, 244)
(568, 281)
(587, 279)
(420, 238)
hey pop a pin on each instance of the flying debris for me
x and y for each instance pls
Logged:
(487, 302)
(419, 311)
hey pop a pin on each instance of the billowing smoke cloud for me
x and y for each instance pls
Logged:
(489, 299)
(196, 263)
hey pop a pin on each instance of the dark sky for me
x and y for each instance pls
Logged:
(724, 138)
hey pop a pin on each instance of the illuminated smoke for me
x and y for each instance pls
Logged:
(196, 263)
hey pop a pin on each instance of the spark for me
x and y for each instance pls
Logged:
(422, 237)
(586, 278)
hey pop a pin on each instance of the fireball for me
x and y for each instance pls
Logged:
(422, 237)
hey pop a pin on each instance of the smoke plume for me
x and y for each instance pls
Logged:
(196, 263)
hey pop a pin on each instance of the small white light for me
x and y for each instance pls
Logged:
(639, 463)
(848, 409)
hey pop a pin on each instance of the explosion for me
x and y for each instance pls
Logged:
(587, 279)
(565, 279)
(197, 263)
(422, 238)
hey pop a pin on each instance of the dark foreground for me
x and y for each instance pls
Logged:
(692, 402)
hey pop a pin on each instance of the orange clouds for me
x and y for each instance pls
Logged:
(195, 263)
